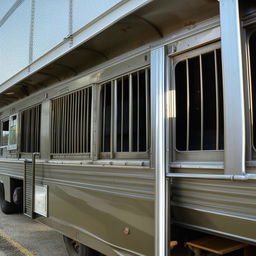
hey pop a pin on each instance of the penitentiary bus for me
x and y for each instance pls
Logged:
(127, 124)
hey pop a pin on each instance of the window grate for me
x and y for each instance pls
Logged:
(125, 113)
(199, 103)
(71, 123)
(30, 130)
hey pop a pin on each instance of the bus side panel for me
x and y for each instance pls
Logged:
(112, 205)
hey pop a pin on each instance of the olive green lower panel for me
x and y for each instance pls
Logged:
(217, 223)
(107, 222)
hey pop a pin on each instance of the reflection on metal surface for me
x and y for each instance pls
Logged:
(233, 82)
(41, 200)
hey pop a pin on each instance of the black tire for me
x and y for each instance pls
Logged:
(7, 207)
(17, 196)
(75, 248)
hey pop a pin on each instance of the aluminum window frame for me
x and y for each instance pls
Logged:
(114, 154)
(192, 155)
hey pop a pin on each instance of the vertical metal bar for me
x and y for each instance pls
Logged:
(112, 111)
(35, 148)
(24, 185)
(84, 121)
(32, 134)
(62, 125)
(87, 120)
(103, 117)
(24, 148)
(55, 126)
(122, 114)
(202, 102)
(52, 126)
(29, 131)
(130, 114)
(60, 122)
(188, 104)
(115, 114)
(75, 124)
(233, 87)
(58, 125)
(147, 108)
(65, 124)
(90, 119)
(138, 111)
(78, 137)
(217, 99)
(94, 121)
(81, 121)
(72, 123)
(25, 132)
(158, 149)
(34, 137)
(68, 124)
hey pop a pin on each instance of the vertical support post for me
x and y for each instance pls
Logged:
(45, 129)
(95, 143)
(234, 127)
(158, 145)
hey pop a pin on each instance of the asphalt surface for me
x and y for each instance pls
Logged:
(21, 236)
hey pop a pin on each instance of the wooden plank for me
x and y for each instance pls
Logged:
(216, 245)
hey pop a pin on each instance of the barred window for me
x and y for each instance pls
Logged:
(71, 123)
(199, 102)
(30, 130)
(125, 113)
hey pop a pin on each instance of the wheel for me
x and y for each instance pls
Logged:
(17, 196)
(7, 207)
(75, 248)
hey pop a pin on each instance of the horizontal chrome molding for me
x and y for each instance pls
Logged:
(212, 176)
(197, 165)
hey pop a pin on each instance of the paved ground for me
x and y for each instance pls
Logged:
(20, 236)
